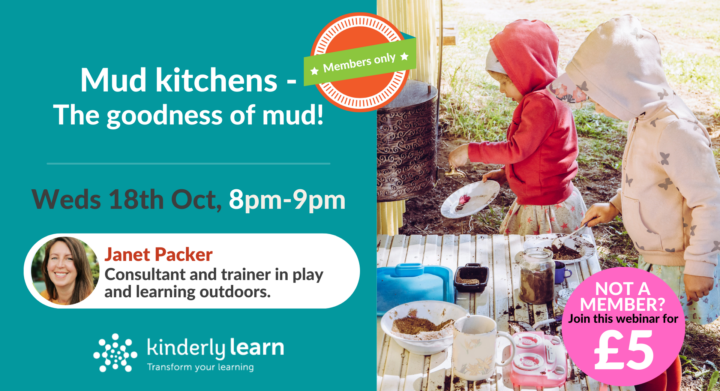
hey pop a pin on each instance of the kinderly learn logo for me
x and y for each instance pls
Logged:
(115, 354)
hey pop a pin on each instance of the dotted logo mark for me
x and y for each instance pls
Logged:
(114, 354)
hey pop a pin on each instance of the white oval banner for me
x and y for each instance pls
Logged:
(210, 271)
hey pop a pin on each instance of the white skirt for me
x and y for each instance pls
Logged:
(564, 217)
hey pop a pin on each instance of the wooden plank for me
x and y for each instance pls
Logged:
(416, 249)
(484, 302)
(412, 374)
(521, 309)
(403, 369)
(433, 245)
(594, 262)
(584, 270)
(415, 376)
(592, 265)
(503, 296)
(380, 339)
(466, 254)
(450, 38)
(459, 385)
(447, 25)
(448, 257)
(439, 366)
(393, 365)
(574, 383)
(576, 278)
(593, 385)
(450, 33)
(383, 359)
(502, 288)
(398, 359)
(383, 251)
(398, 250)
(417, 370)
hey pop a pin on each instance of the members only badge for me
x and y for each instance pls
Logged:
(360, 62)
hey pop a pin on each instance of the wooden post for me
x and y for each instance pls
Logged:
(417, 18)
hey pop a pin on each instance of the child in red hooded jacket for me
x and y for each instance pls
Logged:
(541, 148)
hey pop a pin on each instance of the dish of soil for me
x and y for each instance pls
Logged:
(473, 281)
(414, 326)
(421, 329)
(565, 253)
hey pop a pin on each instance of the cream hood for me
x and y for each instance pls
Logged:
(620, 66)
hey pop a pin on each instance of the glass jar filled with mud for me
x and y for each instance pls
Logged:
(537, 275)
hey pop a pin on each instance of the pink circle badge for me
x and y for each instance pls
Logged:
(623, 326)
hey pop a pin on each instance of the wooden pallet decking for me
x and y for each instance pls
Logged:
(400, 370)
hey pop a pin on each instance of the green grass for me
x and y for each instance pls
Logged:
(601, 139)
(591, 124)
(599, 152)
(705, 17)
(622, 251)
(695, 70)
(488, 220)
(713, 379)
(473, 104)
(700, 18)
(588, 23)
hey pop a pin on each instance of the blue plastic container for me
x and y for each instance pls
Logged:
(408, 282)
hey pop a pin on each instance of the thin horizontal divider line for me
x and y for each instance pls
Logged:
(188, 164)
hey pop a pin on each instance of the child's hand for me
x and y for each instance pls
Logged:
(459, 157)
(697, 287)
(600, 213)
(496, 175)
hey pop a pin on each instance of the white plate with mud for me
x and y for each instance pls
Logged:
(470, 199)
(580, 244)
(424, 343)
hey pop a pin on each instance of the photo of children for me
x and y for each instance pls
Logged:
(680, 244)
(65, 271)
(676, 231)
(567, 110)
(541, 148)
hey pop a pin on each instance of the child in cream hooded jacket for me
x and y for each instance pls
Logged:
(670, 194)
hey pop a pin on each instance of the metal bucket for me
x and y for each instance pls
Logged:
(407, 143)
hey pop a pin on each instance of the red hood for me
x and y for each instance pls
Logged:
(528, 51)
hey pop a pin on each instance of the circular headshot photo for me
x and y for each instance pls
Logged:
(65, 271)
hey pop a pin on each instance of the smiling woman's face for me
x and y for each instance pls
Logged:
(61, 267)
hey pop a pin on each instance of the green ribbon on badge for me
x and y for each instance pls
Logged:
(360, 62)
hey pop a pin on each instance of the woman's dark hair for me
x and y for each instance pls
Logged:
(83, 281)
